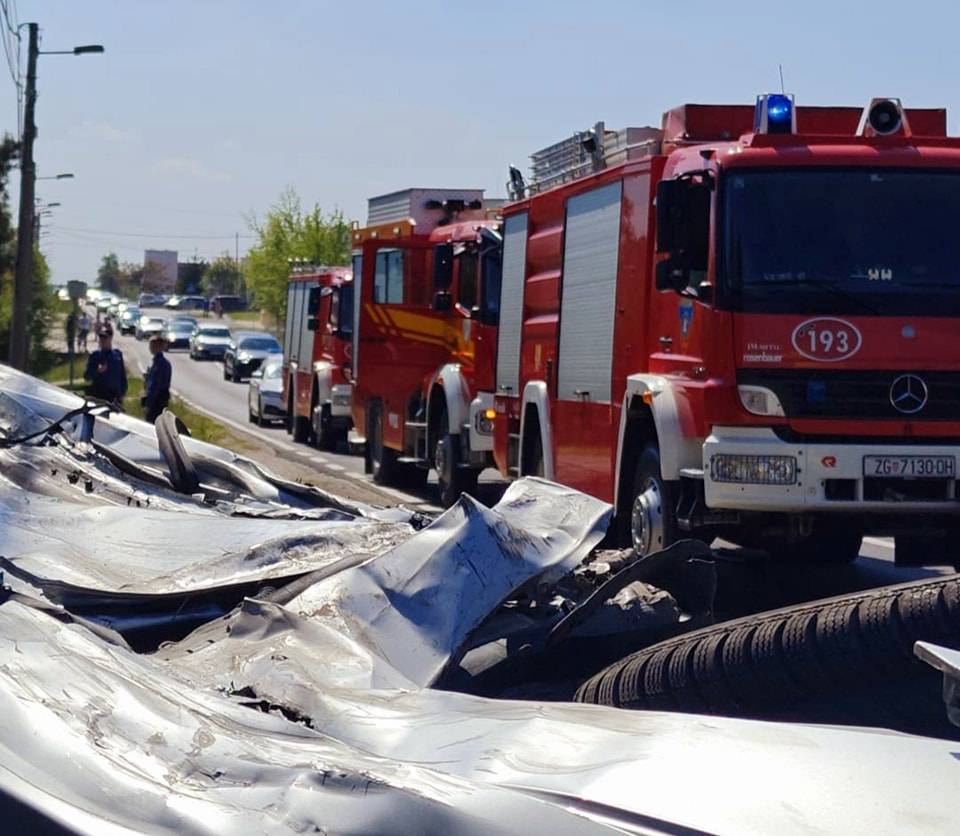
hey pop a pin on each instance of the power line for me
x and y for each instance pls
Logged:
(184, 236)
(5, 6)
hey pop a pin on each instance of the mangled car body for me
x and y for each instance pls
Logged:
(189, 644)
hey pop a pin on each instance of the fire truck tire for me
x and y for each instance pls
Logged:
(301, 429)
(326, 436)
(383, 460)
(653, 507)
(534, 454)
(821, 661)
(452, 479)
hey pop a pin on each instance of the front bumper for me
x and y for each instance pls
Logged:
(829, 476)
(341, 400)
(213, 351)
(273, 404)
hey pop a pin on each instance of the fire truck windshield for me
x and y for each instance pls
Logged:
(850, 241)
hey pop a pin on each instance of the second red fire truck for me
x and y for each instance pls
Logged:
(427, 275)
(317, 345)
(744, 322)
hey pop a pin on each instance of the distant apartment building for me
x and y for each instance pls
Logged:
(159, 271)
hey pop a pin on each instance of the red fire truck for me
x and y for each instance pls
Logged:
(742, 323)
(427, 269)
(316, 354)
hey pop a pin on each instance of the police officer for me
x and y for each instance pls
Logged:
(105, 369)
(157, 391)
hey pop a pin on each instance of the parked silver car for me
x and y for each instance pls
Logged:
(265, 395)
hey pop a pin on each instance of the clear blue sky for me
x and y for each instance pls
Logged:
(201, 112)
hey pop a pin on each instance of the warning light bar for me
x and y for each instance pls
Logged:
(775, 114)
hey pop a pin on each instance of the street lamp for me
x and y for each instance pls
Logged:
(23, 276)
(66, 176)
(41, 210)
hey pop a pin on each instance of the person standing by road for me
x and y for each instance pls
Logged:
(105, 369)
(83, 328)
(157, 389)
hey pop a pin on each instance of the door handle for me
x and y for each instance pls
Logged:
(666, 342)
(583, 394)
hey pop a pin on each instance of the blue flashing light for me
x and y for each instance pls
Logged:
(779, 113)
(774, 114)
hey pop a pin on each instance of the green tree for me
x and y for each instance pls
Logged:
(221, 276)
(109, 274)
(287, 231)
(9, 149)
(42, 309)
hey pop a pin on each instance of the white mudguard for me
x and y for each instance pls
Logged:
(535, 393)
(450, 379)
(323, 380)
(670, 413)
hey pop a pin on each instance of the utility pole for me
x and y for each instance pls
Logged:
(236, 260)
(23, 273)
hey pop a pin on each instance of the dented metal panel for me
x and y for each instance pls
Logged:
(304, 710)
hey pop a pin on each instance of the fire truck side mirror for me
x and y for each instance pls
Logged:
(442, 266)
(671, 196)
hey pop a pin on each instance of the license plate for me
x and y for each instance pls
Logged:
(910, 467)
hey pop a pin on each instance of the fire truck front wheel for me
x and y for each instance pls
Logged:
(383, 460)
(452, 479)
(653, 512)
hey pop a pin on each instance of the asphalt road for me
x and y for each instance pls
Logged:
(748, 581)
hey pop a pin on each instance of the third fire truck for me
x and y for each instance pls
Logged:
(744, 322)
(427, 275)
(316, 354)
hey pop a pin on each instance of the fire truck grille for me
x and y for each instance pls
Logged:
(809, 393)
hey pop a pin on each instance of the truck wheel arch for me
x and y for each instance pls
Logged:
(535, 405)
(448, 388)
(652, 412)
(322, 383)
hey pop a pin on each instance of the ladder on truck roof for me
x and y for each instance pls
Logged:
(587, 152)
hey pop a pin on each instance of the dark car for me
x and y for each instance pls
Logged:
(246, 352)
(226, 304)
(186, 303)
(209, 342)
(178, 333)
(265, 395)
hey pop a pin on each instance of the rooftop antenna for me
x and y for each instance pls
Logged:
(782, 89)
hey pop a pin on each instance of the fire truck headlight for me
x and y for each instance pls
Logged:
(758, 400)
(483, 421)
(753, 470)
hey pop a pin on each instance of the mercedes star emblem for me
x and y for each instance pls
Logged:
(908, 394)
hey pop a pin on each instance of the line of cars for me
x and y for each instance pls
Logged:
(251, 355)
